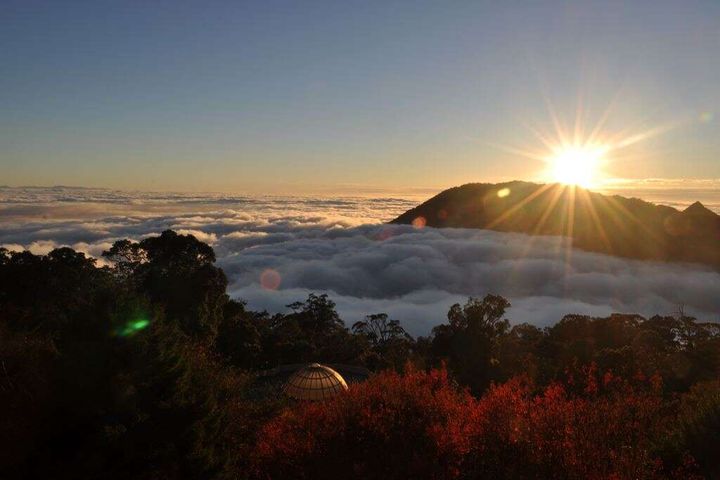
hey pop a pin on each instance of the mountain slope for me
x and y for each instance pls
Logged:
(615, 225)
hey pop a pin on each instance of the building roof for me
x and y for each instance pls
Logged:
(314, 382)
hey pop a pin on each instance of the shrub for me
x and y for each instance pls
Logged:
(393, 426)
(418, 425)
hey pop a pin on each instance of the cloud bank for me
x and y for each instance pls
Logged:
(276, 250)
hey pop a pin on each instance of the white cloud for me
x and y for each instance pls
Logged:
(209, 238)
(341, 247)
(42, 247)
(415, 275)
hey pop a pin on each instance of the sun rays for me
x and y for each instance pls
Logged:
(585, 218)
(576, 156)
(582, 151)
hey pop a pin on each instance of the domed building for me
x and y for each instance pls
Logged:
(314, 382)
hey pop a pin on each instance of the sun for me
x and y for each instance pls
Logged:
(576, 165)
(580, 153)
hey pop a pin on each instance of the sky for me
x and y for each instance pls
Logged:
(291, 97)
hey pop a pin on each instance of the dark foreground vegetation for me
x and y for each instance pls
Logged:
(147, 370)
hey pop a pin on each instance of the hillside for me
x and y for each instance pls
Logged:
(615, 225)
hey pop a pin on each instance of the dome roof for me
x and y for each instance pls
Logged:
(314, 382)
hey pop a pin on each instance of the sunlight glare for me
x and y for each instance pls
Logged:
(576, 165)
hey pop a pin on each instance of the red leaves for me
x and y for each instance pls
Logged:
(417, 425)
(393, 426)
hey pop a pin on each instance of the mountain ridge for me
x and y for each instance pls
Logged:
(698, 208)
(611, 224)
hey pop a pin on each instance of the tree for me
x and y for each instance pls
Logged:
(698, 426)
(126, 256)
(379, 330)
(141, 371)
(177, 272)
(60, 359)
(470, 341)
(312, 332)
(519, 352)
(418, 425)
(390, 345)
(316, 316)
(392, 426)
(239, 337)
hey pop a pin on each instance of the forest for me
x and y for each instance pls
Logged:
(142, 366)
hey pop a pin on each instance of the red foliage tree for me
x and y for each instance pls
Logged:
(606, 431)
(418, 425)
(393, 426)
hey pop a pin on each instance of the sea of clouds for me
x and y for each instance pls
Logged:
(276, 250)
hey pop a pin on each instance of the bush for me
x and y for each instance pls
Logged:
(419, 425)
(393, 426)
(699, 426)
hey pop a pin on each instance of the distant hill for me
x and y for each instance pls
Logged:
(615, 225)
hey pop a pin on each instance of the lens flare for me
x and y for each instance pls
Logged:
(706, 117)
(132, 327)
(503, 192)
(270, 279)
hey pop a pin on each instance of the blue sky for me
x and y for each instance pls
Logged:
(304, 96)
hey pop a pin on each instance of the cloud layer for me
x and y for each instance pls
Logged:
(340, 246)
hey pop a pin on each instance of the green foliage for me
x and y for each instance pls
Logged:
(470, 342)
(390, 344)
(313, 332)
(177, 272)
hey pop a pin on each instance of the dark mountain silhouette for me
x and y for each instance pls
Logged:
(615, 225)
(698, 208)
